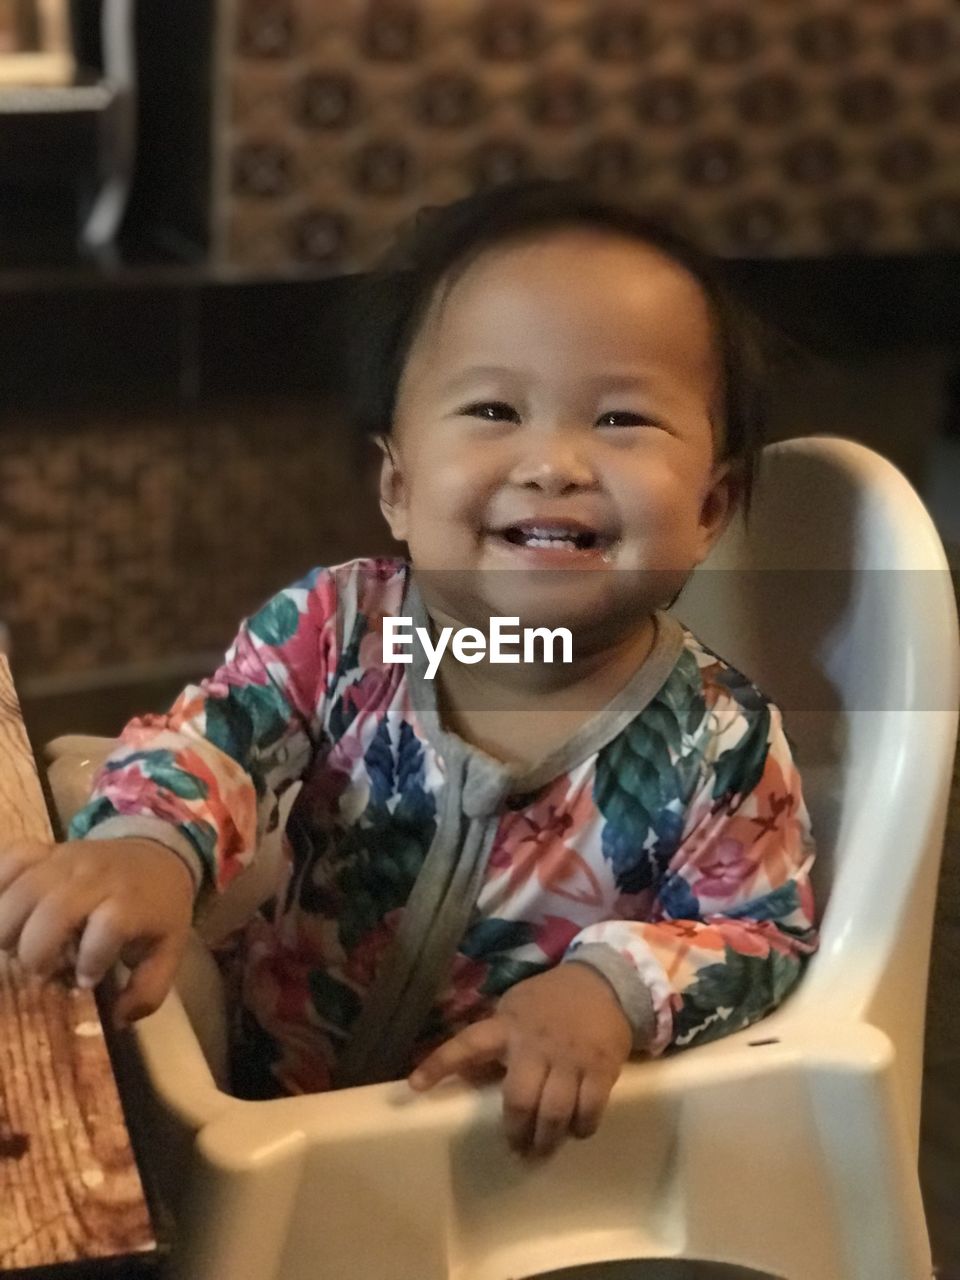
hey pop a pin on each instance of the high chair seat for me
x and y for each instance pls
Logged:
(789, 1147)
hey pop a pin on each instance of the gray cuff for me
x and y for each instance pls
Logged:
(629, 988)
(144, 827)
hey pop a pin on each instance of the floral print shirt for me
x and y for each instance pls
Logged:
(679, 847)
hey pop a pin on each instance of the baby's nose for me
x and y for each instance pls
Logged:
(554, 466)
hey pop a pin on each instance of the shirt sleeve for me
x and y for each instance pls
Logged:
(732, 916)
(205, 779)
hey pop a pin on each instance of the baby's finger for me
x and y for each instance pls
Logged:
(149, 983)
(558, 1102)
(59, 914)
(482, 1073)
(17, 856)
(591, 1103)
(104, 938)
(17, 904)
(479, 1043)
(522, 1087)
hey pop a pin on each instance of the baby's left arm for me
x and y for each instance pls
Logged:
(733, 915)
(732, 923)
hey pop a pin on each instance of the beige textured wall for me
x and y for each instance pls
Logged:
(132, 538)
(769, 128)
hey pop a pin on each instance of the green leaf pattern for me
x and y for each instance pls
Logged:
(645, 777)
(733, 994)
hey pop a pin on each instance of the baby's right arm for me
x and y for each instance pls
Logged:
(129, 900)
(176, 810)
(205, 779)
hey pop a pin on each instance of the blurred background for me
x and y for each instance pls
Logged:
(189, 189)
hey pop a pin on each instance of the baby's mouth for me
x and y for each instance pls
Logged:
(556, 535)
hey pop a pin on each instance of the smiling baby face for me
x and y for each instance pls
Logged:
(557, 416)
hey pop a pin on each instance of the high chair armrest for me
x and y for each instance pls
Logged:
(72, 760)
(77, 744)
(337, 1165)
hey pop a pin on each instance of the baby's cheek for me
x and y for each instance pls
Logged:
(672, 526)
(444, 485)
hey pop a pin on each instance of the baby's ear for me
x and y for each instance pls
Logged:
(720, 504)
(393, 490)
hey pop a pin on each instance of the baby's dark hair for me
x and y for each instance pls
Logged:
(443, 242)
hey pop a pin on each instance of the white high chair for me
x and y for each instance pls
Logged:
(790, 1147)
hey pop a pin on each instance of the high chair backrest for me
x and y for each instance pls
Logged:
(836, 599)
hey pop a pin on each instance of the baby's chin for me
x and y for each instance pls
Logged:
(585, 602)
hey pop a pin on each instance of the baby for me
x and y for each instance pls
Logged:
(522, 869)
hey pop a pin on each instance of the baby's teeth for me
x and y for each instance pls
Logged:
(551, 542)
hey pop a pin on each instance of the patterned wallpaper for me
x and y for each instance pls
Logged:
(134, 538)
(773, 127)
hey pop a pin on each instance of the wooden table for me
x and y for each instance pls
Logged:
(72, 1203)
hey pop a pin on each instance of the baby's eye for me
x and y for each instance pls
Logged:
(625, 418)
(491, 411)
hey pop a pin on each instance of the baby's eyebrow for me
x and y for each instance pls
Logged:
(477, 373)
(597, 383)
(618, 382)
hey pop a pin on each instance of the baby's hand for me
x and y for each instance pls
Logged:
(129, 900)
(563, 1039)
